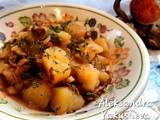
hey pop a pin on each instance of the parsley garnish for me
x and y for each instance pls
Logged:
(65, 24)
(46, 55)
(74, 46)
(66, 70)
(55, 62)
(56, 29)
(30, 58)
(85, 43)
(90, 94)
(35, 84)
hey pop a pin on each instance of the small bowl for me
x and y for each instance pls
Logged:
(133, 71)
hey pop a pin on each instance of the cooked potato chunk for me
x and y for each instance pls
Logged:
(56, 63)
(77, 29)
(103, 76)
(64, 100)
(103, 43)
(90, 48)
(3, 66)
(5, 52)
(37, 95)
(88, 76)
(65, 37)
(100, 62)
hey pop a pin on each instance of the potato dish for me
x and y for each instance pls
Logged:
(59, 65)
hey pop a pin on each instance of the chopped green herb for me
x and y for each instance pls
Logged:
(89, 94)
(66, 70)
(35, 84)
(73, 88)
(85, 43)
(73, 46)
(121, 63)
(55, 62)
(65, 24)
(59, 50)
(30, 58)
(47, 55)
(77, 49)
(56, 29)
(53, 16)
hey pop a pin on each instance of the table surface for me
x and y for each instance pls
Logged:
(152, 91)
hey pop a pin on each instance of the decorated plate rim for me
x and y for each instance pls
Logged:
(142, 79)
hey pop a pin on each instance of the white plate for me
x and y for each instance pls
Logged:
(137, 76)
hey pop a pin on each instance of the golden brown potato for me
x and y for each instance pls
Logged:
(145, 11)
(56, 63)
(37, 95)
(103, 77)
(103, 43)
(65, 37)
(64, 100)
(90, 48)
(77, 29)
(3, 66)
(88, 76)
(24, 34)
(5, 52)
(100, 62)
(103, 60)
